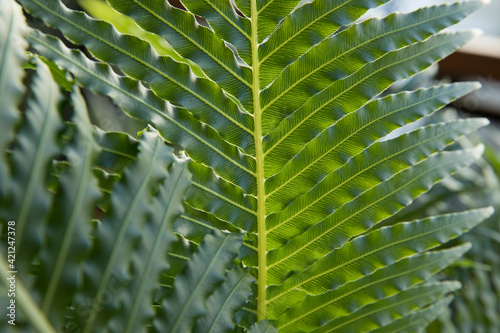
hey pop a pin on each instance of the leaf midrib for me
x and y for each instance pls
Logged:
(259, 157)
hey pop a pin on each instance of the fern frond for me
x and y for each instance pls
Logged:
(225, 301)
(29, 198)
(132, 237)
(385, 312)
(292, 144)
(51, 227)
(304, 28)
(366, 254)
(194, 42)
(330, 58)
(417, 321)
(316, 311)
(204, 272)
(55, 269)
(176, 124)
(169, 79)
(285, 136)
(328, 151)
(226, 22)
(362, 209)
(68, 226)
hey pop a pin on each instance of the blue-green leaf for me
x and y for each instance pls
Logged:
(29, 199)
(132, 239)
(229, 297)
(12, 59)
(204, 272)
(68, 228)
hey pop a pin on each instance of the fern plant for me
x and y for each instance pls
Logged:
(74, 272)
(292, 169)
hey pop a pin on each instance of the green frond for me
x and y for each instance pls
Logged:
(351, 210)
(377, 163)
(176, 124)
(322, 108)
(68, 227)
(226, 23)
(328, 151)
(133, 237)
(299, 170)
(366, 254)
(51, 225)
(335, 57)
(118, 151)
(383, 313)
(304, 28)
(169, 79)
(192, 41)
(52, 203)
(12, 60)
(204, 272)
(418, 321)
(316, 311)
